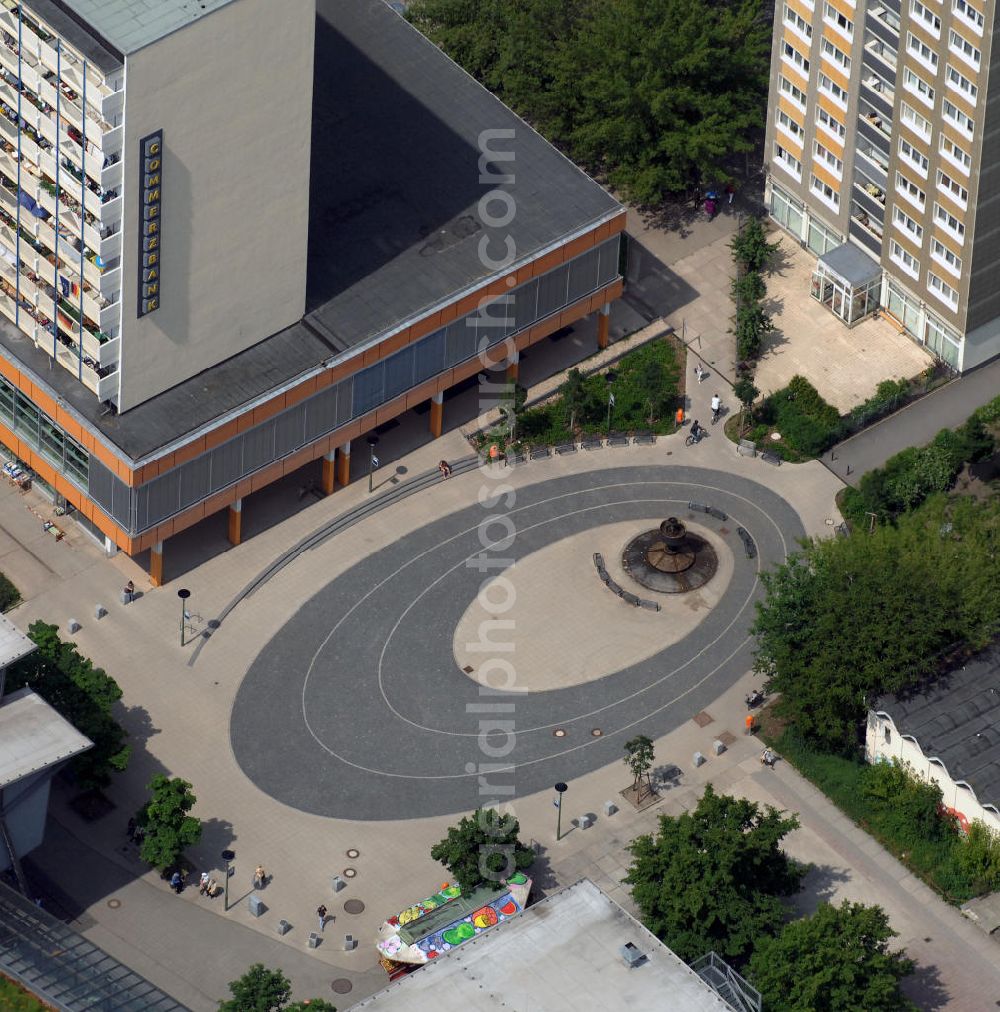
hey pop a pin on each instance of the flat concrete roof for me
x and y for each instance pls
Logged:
(395, 221)
(13, 643)
(561, 953)
(69, 26)
(132, 24)
(33, 736)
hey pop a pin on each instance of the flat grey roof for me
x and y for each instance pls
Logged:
(395, 225)
(956, 719)
(850, 263)
(13, 643)
(131, 24)
(33, 736)
(561, 953)
(58, 15)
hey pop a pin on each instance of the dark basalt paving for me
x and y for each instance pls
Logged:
(356, 708)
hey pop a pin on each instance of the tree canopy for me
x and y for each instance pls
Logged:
(711, 879)
(81, 693)
(653, 94)
(165, 820)
(837, 960)
(264, 990)
(847, 619)
(483, 849)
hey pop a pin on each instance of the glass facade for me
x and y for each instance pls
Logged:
(822, 239)
(939, 339)
(786, 211)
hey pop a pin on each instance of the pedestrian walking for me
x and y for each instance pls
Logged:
(730, 193)
(699, 371)
(176, 882)
(679, 417)
(445, 468)
(205, 880)
(321, 914)
(129, 592)
(259, 877)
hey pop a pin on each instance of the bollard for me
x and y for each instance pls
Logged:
(313, 940)
(283, 927)
(718, 747)
(610, 808)
(698, 759)
(73, 626)
(100, 611)
(337, 883)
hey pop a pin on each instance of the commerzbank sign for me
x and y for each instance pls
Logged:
(151, 190)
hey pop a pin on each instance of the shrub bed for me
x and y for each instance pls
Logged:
(806, 423)
(9, 594)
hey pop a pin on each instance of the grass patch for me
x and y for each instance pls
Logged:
(14, 998)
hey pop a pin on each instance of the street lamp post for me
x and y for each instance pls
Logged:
(372, 443)
(561, 789)
(183, 594)
(227, 856)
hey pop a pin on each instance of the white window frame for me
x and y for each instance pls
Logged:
(959, 83)
(972, 16)
(940, 254)
(964, 49)
(943, 219)
(831, 89)
(832, 17)
(791, 56)
(835, 55)
(819, 188)
(927, 17)
(798, 24)
(938, 290)
(904, 259)
(947, 185)
(828, 159)
(913, 157)
(790, 128)
(961, 120)
(921, 52)
(918, 87)
(790, 89)
(947, 148)
(788, 161)
(907, 225)
(906, 187)
(837, 134)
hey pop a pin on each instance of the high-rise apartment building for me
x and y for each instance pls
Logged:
(882, 152)
(219, 263)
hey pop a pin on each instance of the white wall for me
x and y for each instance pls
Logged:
(961, 800)
(232, 93)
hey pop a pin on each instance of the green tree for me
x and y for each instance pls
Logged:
(264, 990)
(751, 248)
(711, 879)
(979, 858)
(847, 619)
(168, 826)
(512, 401)
(752, 325)
(81, 693)
(653, 383)
(483, 849)
(639, 759)
(837, 960)
(748, 287)
(574, 395)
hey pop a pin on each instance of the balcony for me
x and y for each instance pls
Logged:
(876, 121)
(880, 57)
(879, 93)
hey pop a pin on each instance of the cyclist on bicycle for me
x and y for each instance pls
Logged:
(696, 431)
(716, 407)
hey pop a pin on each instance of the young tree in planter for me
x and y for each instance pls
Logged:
(652, 382)
(746, 394)
(264, 990)
(748, 288)
(837, 960)
(165, 821)
(512, 405)
(483, 849)
(711, 879)
(574, 395)
(751, 248)
(639, 759)
(752, 324)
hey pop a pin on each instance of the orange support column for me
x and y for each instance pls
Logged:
(437, 414)
(344, 465)
(602, 326)
(512, 367)
(156, 564)
(328, 472)
(235, 522)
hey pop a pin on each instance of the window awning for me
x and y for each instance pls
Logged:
(849, 265)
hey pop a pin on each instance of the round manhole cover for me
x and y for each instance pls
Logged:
(353, 853)
(350, 872)
(597, 732)
(354, 907)
(559, 732)
(341, 986)
(114, 904)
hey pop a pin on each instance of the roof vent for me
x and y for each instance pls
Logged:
(632, 955)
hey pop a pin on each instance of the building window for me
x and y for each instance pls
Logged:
(787, 211)
(835, 19)
(952, 186)
(948, 221)
(916, 122)
(942, 341)
(916, 85)
(797, 23)
(830, 124)
(787, 160)
(793, 56)
(825, 192)
(953, 113)
(970, 14)
(946, 257)
(961, 84)
(905, 259)
(931, 21)
(832, 53)
(826, 155)
(910, 191)
(923, 52)
(942, 290)
(832, 89)
(958, 156)
(964, 49)
(908, 152)
(786, 123)
(902, 220)
(797, 95)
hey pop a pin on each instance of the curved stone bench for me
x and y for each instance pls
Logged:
(748, 542)
(627, 596)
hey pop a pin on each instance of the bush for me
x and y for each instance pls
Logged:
(751, 248)
(889, 395)
(748, 288)
(752, 324)
(979, 859)
(806, 422)
(989, 413)
(9, 594)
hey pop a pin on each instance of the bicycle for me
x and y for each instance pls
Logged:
(695, 436)
(716, 413)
